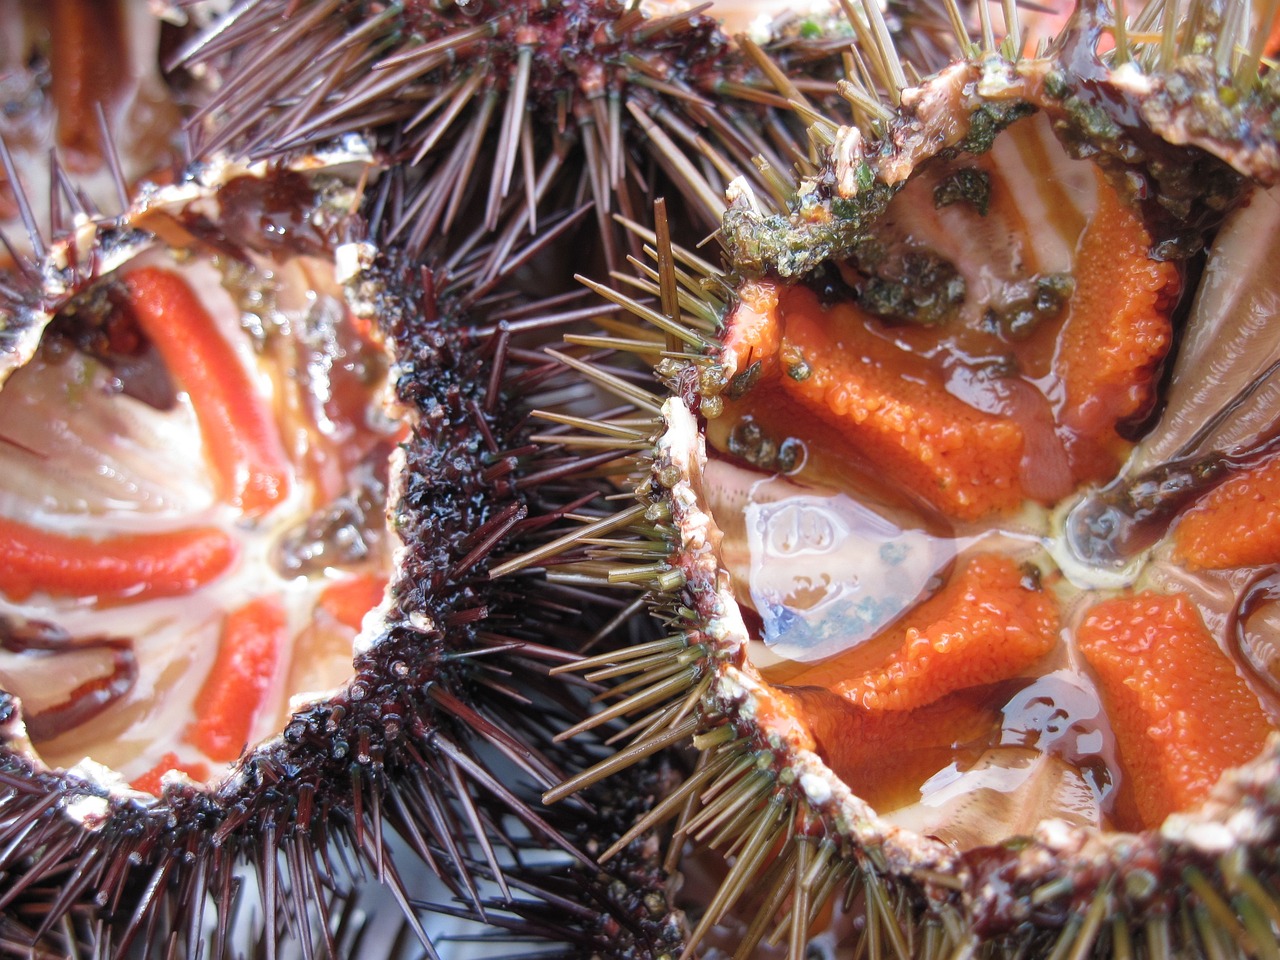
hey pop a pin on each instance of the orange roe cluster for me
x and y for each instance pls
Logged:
(886, 729)
(245, 450)
(885, 756)
(987, 624)
(1116, 334)
(1235, 525)
(252, 639)
(899, 413)
(347, 601)
(891, 406)
(1181, 714)
(894, 410)
(124, 567)
(152, 781)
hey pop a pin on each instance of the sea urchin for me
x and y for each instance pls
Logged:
(960, 656)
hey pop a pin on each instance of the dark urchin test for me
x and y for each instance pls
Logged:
(262, 442)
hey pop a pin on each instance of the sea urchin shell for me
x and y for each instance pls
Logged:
(267, 444)
(930, 674)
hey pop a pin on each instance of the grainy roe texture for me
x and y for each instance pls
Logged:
(1182, 712)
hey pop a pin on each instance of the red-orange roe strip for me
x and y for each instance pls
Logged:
(347, 601)
(242, 440)
(252, 638)
(149, 782)
(126, 567)
(985, 625)
(1115, 336)
(895, 411)
(1180, 712)
(1237, 524)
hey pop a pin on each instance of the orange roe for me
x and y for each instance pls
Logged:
(985, 625)
(895, 411)
(1115, 336)
(892, 404)
(1237, 524)
(889, 405)
(884, 757)
(1180, 712)
(128, 567)
(252, 638)
(240, 434)
(754, 334)
(149, 782)
(958, 459)
(347, 601)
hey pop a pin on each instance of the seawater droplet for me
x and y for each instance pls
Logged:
(827, 573)
(1060, 713)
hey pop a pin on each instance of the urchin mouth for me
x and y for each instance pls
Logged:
(196, 468)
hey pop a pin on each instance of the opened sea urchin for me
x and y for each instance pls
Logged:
(240, 445)
(967, 600)
(216, 399)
